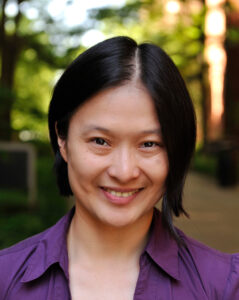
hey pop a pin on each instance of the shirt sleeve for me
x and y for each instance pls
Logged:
(232, 287)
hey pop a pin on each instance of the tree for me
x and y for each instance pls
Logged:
(26, 48)
(10, 47)
(18, 35)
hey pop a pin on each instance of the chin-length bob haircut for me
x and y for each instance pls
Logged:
(114, 62)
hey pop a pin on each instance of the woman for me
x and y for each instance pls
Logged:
(122, 127)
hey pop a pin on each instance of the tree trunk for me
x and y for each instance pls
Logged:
(10, 48)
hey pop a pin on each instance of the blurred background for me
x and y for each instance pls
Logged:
(39, 38)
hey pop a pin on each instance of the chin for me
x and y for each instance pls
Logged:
(122, 219)
(119, 223)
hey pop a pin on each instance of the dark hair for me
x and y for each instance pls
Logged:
(114, 62)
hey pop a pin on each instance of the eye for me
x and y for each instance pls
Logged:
(150, 144)
(100, 141)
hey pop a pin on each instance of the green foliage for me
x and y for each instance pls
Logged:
(34, 83)
(15, 228)
(121, 15)
(232, 36)
(17, 198)
(38, 48)
(17, 222)
(46, 46)
(205, 163)
(51, 204)
(181, 35)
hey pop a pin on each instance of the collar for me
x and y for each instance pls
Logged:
(162, 248)
(51, 249)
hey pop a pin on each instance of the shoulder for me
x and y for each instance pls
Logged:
(15, 260)
(218, 272)
(22, 245)
(30, 259)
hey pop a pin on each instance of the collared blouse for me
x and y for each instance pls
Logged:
(37, 268)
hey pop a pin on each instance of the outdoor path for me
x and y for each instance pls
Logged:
(214, 213)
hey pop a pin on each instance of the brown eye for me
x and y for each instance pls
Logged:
(100, 141)
(149, 144)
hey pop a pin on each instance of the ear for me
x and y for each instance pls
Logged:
(62, 145)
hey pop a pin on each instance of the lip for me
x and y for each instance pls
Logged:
(121, 190)
(119, 200)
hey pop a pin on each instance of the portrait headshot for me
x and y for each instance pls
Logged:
(122, 128)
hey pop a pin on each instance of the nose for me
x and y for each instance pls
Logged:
(124, 165)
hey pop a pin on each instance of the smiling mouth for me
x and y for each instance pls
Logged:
(123, 194)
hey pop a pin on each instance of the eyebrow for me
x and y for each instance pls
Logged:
(106, 130)
(97, 128)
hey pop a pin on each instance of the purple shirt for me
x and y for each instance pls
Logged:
(37, 268)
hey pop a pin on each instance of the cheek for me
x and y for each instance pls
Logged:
(157, 168)
(80, 176)
(159, 175)
(84, 166)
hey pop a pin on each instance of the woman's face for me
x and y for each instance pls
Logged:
(117, 162)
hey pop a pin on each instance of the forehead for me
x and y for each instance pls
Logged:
(129, 104)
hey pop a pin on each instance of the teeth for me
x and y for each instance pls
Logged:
(123, 194)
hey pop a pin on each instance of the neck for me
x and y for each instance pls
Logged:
(93, 241)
